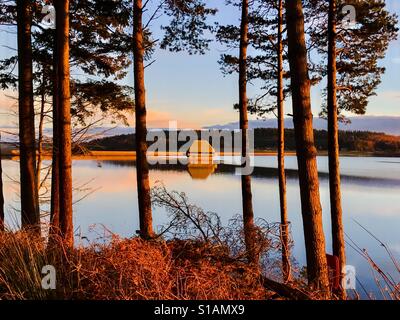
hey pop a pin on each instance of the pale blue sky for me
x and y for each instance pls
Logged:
(192, 90)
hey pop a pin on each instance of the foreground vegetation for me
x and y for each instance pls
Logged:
(124, 269)
(192, 257)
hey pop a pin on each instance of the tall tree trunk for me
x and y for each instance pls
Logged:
(333, 149)
(55, 167)
(142, 169)
(29, 194)
(40, 135)
(281, 154)
(247, 204)
(1, 191)
(65, 152)
(317, 269)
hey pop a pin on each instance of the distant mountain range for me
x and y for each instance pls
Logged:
(385, 124)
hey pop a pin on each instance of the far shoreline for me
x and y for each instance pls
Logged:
(131, 155)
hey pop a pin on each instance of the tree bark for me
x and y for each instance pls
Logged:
(286, 272)
(285, 290)
(142, 169)
(29, 194)
(333, 149)
(65, 151)
(317, 269)
(1, 191)
(55, 167)
(247, 204)
(40, 135)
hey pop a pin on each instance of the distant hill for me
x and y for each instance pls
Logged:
(266, 139)
(389, 124)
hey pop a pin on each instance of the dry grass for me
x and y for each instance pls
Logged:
(124, 269)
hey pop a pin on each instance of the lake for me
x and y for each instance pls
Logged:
(370, 193)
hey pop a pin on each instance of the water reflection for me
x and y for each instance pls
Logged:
(205, 170)
(201, 171)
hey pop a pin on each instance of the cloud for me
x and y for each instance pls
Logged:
(162, 119)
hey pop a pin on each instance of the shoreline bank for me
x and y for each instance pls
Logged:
(131, 155)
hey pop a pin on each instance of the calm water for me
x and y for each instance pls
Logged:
(370, 187)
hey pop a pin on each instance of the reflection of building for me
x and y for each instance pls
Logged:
(200, 156)
(201, 171)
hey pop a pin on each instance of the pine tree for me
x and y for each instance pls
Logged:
(184, 32)
(353, 74)
(64, 124)
(266, 66)
(142, 169)
(281, 150)
(55, 160)
(29, 193)
(247, 203)
(317, 269)
(333, 146)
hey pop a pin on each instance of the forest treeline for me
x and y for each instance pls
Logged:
(70, 73)
(266, 139)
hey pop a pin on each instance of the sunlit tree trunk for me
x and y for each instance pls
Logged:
(333, 148)
(40, 135)
(142, 169)
(247, 204)
(281, 153)
(317, 269)
(55, 168)
(29, 194)
(64, 129)
(1, 191)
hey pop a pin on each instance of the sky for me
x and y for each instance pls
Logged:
(192, 90)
